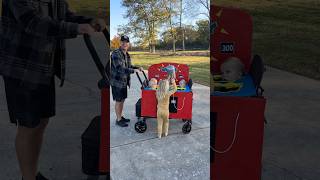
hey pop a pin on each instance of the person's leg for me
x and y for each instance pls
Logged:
(160, 124)
(166, 124)
(118, 109)
(28, 146)
(121, 108)
(119, 96)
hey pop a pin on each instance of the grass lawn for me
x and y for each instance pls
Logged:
(286, 33)
(89, 7)
(85, 7)
(199, 65)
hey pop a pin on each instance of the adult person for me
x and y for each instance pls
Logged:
(121, 69)
(32, 53)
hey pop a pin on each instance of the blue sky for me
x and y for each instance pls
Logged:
(117, 12)
(116, 16)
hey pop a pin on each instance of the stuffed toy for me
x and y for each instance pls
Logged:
(171, 70)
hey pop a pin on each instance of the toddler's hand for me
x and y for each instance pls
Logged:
(172, 80)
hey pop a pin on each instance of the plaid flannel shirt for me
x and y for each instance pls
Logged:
(121, 68)
(32, 39)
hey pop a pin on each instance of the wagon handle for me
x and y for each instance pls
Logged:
(139, 79)
(95, 56)
(142, 84)
(145, 76)
(106, 35)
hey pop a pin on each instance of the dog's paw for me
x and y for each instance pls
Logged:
(159, 136)
(166, 134)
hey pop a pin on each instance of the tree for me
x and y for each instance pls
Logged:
(194, 7)
(203, 31)
(182, 31)
(196, 37)
(145, 17)
(115, 42)
(171, 12)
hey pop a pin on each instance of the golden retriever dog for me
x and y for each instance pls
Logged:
(163, 93)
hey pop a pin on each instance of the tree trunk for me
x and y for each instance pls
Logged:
(153, 48)
(153, 40)
(183, 43)
(182, 30)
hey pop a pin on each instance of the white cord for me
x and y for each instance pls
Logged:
(233, 140)
(174, 104)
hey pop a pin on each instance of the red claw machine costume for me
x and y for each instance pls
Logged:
(237, 107)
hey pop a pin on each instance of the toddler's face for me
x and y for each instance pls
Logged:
(231, 70)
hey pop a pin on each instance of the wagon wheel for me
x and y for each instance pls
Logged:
(140, 126)
(186, 128)
(187, 120)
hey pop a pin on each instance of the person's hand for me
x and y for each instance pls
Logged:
(85, 29)
(98, 24)
(140, 68)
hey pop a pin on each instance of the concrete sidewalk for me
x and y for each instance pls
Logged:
(179, 156)
(291, 141)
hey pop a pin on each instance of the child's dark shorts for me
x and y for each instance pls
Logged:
(119, 94)
(28, 107)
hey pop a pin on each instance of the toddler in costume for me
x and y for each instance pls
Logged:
(164, 91)
(232, 69)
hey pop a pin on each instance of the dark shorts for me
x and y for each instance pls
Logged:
(119, 94)
(27, 107)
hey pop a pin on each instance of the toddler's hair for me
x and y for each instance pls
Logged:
(235, 63)
(163, 88)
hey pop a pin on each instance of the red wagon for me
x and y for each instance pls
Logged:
(96, 138)
(180, 106)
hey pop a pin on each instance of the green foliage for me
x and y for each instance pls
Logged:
(197, 37)
(91, 8)
(203, 31)
(145, 17)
